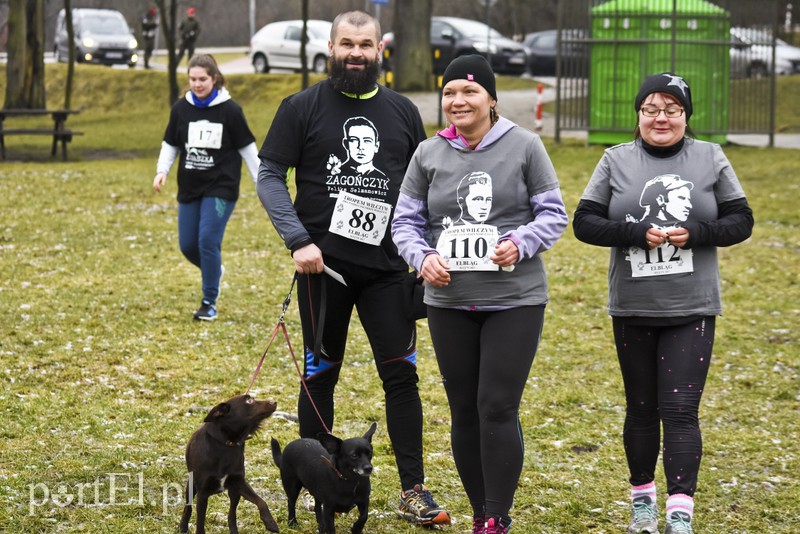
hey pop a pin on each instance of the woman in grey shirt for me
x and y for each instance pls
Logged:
(479, 204)
(663, 203)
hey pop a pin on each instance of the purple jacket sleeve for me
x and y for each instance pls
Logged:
(409, 226)
(547, 226)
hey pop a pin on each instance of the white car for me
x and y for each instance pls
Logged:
(751, 54)
(277, 46)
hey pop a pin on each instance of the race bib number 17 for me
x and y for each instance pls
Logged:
(205, 134)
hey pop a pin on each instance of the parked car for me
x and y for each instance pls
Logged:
(751, 54)
(452, 37)
(277, 46)
(541, 48)
(101, 36)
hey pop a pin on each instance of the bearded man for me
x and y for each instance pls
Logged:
(340, 223)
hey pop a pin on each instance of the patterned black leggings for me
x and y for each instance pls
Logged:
(664, 369)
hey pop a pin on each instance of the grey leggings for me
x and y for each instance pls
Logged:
(664, 369)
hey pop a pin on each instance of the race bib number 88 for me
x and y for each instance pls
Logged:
(360, 219)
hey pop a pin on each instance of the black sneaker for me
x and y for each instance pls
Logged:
(207, 312)
(417, 506)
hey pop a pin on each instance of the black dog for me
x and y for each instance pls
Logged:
(336, 473)
(215, 458)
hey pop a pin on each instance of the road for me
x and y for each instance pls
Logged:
(519, 105)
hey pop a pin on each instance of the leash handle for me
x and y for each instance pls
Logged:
(282, 325)
(303, 380)
(284, 307)
(263, 356)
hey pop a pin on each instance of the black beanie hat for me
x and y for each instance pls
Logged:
(473, 68)
(668, 83)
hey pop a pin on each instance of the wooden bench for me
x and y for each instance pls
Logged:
(59, 131)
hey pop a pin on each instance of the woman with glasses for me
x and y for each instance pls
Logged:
(663, 203)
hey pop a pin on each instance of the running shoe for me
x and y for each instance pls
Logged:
(207, 312)
(479, 525)
(495, 526)
(308, 500)
(417, 506)
(679, 523)
(644, 516)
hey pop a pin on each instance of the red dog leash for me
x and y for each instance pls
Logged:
(282, 325)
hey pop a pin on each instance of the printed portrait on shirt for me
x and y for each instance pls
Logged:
(666, 200)
(474, 198)
(361, 144)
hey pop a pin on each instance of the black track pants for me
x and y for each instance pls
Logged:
(379, 298)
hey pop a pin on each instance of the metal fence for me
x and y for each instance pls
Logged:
(725, 49)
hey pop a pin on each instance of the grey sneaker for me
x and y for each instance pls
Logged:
(679, 523)
(308, 501)
(417, 506)
(644, 516)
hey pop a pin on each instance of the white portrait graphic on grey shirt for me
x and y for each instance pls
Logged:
(474, 198)
(667, 201)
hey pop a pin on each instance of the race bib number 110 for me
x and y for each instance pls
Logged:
(468, 247)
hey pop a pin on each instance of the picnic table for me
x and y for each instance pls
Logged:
(59, 130)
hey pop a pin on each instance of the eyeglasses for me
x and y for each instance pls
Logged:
(670, 111)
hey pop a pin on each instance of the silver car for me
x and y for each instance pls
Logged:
(751, 54)
(277, 46)
(101, 36)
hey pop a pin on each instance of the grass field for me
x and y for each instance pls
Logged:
(105, 375)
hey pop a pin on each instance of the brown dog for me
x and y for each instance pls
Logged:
(215, 459)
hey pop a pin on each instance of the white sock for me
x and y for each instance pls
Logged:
(680, 503)
(645, 490)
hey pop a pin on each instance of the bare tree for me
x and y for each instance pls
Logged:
(70, 53)
(303, 41)
(412, 64)
(25, 67)
(169, 16)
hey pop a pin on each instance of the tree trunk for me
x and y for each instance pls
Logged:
(71, 54)
(411, 62)
(168, 16)
(303, 54)
(25, 67)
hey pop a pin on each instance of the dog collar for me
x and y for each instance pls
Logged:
(327, 460)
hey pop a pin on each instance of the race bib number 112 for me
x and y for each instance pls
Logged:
(664, 260)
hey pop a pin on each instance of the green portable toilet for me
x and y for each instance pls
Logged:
(632, 39)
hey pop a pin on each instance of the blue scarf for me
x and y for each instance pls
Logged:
(203, 103)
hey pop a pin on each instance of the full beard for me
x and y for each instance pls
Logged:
(356, 81)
